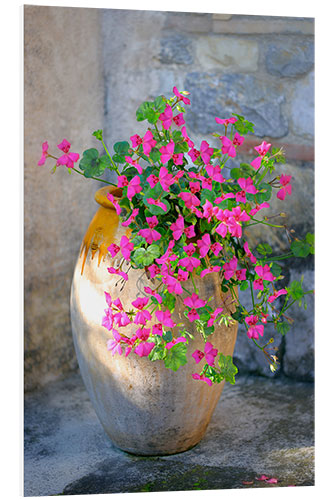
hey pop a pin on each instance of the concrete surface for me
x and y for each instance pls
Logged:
(260, 426)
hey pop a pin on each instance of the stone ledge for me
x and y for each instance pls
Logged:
(260, 426)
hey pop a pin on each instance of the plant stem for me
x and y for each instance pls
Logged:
(95, 178)
(107, 152)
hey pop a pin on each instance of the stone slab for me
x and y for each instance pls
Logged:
(260, 426)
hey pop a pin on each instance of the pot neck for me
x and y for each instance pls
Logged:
(102, 193)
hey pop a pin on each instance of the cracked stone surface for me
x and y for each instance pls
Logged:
(260, 426)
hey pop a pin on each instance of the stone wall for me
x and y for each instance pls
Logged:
(63, 98)
(87, 69)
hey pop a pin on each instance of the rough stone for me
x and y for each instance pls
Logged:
(227, 53)
(259, 25)
(260, 426)
(302, 106)
(298, 361)
(216, 94)
(290, 58)
(176, 49)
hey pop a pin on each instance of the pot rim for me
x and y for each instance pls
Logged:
(102, 199)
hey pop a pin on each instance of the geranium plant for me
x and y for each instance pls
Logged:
(187, 209)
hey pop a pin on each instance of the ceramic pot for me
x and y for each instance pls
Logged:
(145, 408)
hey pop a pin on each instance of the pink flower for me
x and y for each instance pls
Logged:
(122, 181)
(142, 333)
(144, 348)
(180, 96)
(64, 146)
(152, 180)
(136, 140)
(216, 248)
(140, 302)
(189, 232)
(177, 228)
(228, 147)
(107, 320)
(166, 179)
(264, 273)
(173, 284)
(121, 319)
(126, 247)
(45, 147)
(164, 317)
(214, 315)
(193, 301)
(253, 211)
(215, 173)
(248, 253)
(114, 202)
(189, 262)
(153, 270)
(157, 329)
(226, 121)
(207, 183)
(263, 148)
(237, 140)
(241, 274)
(235, 217)
(142, 317)
(112, 270)
(179, 120)
(166, 117)
(150, 234)
(204, 245)
(182, 275)
(198, 355)
(157, 203)
(167, 257)
(134, 187)
(230, 268)
(167, 153)
(276, 294)
(223, 197)
(194, 154)
(210, 269)
(286, 186)
(134, 163)
(206, 152)
(247, 187)
(157, 296)
(189, 199)
(196, 376)
(255, 330)
(113, 249)
(148, 142)
(210, 353)
(173, 342)
(131, 218)
(68, 159)
(192, 315)
(186, 137)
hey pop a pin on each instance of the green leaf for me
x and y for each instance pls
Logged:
(244, 170)
(228, 369)
(167, 336)
(300, 248)
(92, 165)
(142, 111)
(244, 285)
(264, 249)
(243, 126)
(158, 352)
(276, 269)
(295, 290)
(144, 257)
(283, 327)
(169, 300)
(176, 356)
(98, 134)
(121, 148)
(160, 104)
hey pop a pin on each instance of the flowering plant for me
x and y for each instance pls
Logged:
(187, 210)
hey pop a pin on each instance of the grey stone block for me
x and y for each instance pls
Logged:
(290, 58)
(298, 360)
(176, 49)
(302, 106)
(215, 94)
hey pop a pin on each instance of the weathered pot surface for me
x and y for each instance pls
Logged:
(145, 408)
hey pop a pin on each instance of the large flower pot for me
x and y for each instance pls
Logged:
(144, 407)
